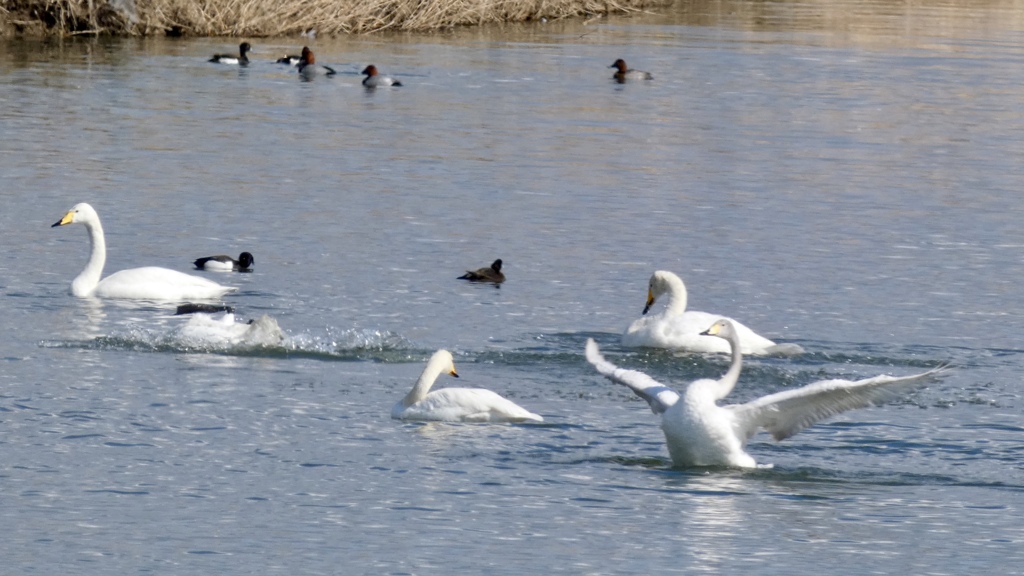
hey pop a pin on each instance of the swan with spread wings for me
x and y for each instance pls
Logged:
(699, 432)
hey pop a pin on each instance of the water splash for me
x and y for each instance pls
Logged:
(206, 334)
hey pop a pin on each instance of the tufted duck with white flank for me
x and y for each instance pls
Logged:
(226, 263)
(242, 59)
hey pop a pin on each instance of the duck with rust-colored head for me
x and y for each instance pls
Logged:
(375, 78)
(623, 72)
(308, 67)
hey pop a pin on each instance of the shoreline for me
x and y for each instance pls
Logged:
(268, 18)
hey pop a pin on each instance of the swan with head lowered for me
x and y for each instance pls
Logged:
(149, 283)
(699, 432)
(455, 404)
(677, 328)
(207, 330)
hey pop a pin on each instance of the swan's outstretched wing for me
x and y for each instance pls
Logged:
(785, 413)
(659, 396)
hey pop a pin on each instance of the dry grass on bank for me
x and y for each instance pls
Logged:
(257, 18)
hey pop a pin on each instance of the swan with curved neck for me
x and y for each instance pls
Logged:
(677, 328)
(148, 283)
(455, 404)
(699, 432)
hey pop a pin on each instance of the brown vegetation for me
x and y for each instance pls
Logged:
(254, 18)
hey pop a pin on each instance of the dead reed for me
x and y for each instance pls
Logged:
(261, 18)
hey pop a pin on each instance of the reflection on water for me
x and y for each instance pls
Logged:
(715, 518)
(867, 23)
(83, 319)
(858, 22)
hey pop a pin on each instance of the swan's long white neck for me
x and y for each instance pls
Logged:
(676, 290)
(438, 364)
(86, 281)
(727, 382)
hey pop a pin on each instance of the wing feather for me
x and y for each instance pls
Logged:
(785, 413)
(659, 396)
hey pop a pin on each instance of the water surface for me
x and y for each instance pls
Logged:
(842, 176)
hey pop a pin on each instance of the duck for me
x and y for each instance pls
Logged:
(374, 79)
(699, 432)
(204, 307)
(148, 283)
(623, 73)
(308, 67)
(491, 274)
(677, 328)
(242, 58)
(226, 263)
(290, 60)
(455, 404)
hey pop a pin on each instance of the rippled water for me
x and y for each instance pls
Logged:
(841, 176)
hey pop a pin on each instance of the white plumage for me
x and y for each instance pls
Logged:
(677, 328)
(148, 283)
(208, 330)
(699, 432)
(456, 404)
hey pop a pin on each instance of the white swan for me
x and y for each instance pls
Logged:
(207, 330)
(149, 283)
(699, 432)
(675, 327)
(455, 404)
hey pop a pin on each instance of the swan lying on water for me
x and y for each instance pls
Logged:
(204, 329)
(675, 327)
(149, 283)
(699, 432)
(455, 404)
